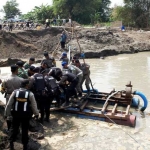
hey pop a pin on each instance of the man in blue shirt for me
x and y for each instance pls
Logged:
(63, 39)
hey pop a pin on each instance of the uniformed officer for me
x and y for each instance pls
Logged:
(76, 71)
(21, 71)
(49, 60)
(86, 73)
(44, 68)
(73, 81)
(10, 84)
(53, 89)
(30, 71)
(21, 105)
(29, 63)
(64, 57)
(53, 71)
(37, 84)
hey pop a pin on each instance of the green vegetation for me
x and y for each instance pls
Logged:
(10, 9)
(134, 12)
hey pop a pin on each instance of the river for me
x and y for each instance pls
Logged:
(106, 74)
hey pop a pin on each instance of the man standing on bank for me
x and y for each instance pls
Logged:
(63, 39)
(21, 105)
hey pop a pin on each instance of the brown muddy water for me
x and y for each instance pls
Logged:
(73, 133)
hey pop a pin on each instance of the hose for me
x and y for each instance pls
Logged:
(144, 99)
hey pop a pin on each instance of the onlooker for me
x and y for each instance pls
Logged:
(63, 39)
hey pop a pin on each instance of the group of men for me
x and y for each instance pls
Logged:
(30, 90)
(18, 25)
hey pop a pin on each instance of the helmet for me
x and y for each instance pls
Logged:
(64, 54)
(64, 63)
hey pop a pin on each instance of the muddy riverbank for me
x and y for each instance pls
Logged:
(95, 43)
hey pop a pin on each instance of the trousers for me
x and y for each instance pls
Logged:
(16, 122)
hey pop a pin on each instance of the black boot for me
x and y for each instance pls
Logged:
(80, 94)
(25, 147)
(11, 146)
(8, 124)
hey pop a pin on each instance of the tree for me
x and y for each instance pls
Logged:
(10, 9)
(120, 13)
(140, 11)
(40, 13)
(81, 10)
(104, 10)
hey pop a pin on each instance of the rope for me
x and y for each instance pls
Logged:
(123, 130)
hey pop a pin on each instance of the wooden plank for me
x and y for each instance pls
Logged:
(84, 105)
(59, 108)
(108, 110)
(117, 116)
(114, 109)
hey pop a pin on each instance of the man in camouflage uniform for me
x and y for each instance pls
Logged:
(21, 71)
(29, 63)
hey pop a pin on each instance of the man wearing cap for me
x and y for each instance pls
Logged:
(72, 80)
(29, 63)
(64, 57)
(21, 71)
(10, 84)
(86, 73)
(49, 60)
(38, 86)
(76, 71)
(21, 105)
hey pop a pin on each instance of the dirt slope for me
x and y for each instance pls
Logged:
(95, 43)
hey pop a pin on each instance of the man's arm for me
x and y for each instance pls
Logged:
(33, 104)
(64, 78)
(31, 81)
(9, 105)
